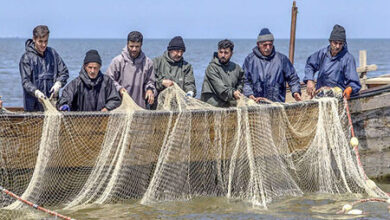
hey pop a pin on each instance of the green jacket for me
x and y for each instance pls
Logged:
(220, 82)
(180, 72)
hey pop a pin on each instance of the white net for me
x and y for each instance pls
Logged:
(186, 148)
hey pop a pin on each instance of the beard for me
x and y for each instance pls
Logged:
(223, 60)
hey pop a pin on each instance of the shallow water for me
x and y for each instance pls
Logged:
(307, 207)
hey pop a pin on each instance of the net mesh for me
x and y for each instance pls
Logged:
(186, 148)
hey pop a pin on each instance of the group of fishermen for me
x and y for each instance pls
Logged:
(262, 77)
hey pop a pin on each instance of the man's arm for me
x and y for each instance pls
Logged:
(113, 100)
(248, 83)
(189, 80)
(68, 95)
(351, 76)
(312, 66)
(113, 71)
(291, 77)
(63, 72)
(26, 72)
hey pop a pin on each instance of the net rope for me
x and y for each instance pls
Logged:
(184, 149)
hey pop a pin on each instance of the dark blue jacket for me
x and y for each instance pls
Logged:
(40, 72)
(86, 94)
(267, 76)
(339, 70)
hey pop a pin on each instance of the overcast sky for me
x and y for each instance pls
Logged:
(193, 19)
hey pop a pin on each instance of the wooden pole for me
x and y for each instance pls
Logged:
(294, 12)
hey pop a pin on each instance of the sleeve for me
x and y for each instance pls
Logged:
(189, 80)
(26, 74)
(291, 77)
(351, 76)
(113, 99)
(312, 66)
(158, 76)
(113, 71)
(68, 95)
(223, 91)
(150, 79)
(63, 72)
(248, 83)
(240, 83)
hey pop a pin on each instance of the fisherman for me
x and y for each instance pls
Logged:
(171, 67)
(267, 71)
(133, 72)
(42, 70)
(335, 65)
(223, 80)
(91, 90)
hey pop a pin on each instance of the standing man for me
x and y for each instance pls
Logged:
(335, 65)
(267, 71)
(42, 70)
(223, 80)
(91, 90)
(171, 67)
(133, 73)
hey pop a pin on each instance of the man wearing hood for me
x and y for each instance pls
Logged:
(42, 70)
(171, 67)
(267, 71)
(133, 72)
(335, 65)
(91, 90)
(223, 80)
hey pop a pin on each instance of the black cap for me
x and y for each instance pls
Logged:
(177, 43)
(338, 33)
(92, 56)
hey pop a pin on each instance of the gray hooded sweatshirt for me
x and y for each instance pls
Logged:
(135, 75)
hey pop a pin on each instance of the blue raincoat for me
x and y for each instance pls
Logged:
(40, 72)
(339, 70)
(266, 76)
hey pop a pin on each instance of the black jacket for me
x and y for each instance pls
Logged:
(40, 72)
(85, 94)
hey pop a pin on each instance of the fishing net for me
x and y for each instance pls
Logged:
(186, 148)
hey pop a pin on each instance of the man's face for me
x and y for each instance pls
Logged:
(224, 55)
(176, 55)
(336, 47)
(41, 43)
(134, 48)
(266, 47)
(92, 69)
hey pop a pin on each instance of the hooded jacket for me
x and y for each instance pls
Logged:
(135, 75)
(266, 76)
(180, 72)
(40, 72)
(339, 70)
(220, 82)
(86, 94)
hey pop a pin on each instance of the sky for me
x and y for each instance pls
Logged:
(193, 19)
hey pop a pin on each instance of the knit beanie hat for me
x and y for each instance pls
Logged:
(338, 33)
(92, 56)
(176, 43)
(265, 35)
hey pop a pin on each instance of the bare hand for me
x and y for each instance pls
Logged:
(237, 94)
(104, 110)
(122, 90)
(149, 96)
(1, 104)
(167, 83)
(297, 97)
(310, 88)
(254, 98)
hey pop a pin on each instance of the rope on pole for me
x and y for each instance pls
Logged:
(35, 206)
